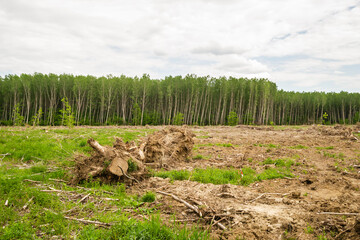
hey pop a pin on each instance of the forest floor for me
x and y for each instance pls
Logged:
(258, 182)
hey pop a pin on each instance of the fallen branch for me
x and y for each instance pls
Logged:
(195, 209)
(129, 177)
(84, 198)
(32, 181)
(4, 155)
(58, 180)
(335, 213)
(89, 221)
(27, 203)
(182, 201)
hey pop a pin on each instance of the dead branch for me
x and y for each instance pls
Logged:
(4, 155)
(57, 180)
(335, 213)
(32, 181)
(191, 207)
(129, 177)
(182, 201)
(219, 224)
(89, 221)
(27, 203)
(84, 198)
(96, 146)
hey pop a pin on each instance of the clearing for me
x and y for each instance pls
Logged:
(244, 182)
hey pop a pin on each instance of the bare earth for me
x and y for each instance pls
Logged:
(326, 181)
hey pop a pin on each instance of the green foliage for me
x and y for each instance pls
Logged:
(136, 115)
(233, 119)
(325, 119)
(174, 174)
(148, 197)
(18, 119)
(112, 100)
(179, 119)
(299, 147)
(36, 118)
(199, 156)
(309, 229)
(67, 114)
(132, 166)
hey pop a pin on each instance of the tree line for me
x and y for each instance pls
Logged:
(45, 99)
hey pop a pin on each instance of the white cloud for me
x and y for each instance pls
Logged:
(178, 37)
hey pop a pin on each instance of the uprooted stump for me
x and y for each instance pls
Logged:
(112, 163)
(106, 163)
(169, 145)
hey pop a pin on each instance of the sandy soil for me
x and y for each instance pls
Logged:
(297, 208)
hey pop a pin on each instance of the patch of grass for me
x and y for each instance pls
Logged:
(132, 166)
(199, 156)
(279, 162)
(148, 197)
(174, 174)
(298, 147)
(225, 176)
(309, 229)
(224, 144)
(152, 229)
(322, 148)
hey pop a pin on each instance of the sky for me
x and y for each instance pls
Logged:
(303, 45)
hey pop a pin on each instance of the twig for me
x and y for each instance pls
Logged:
(84, 198)
(57, 180)
(191, 207)
(335, 213)
(219, 224)
(32, 181)
(7, 202)
(356, 166)
(182, 201)
(37, 158)
(88, 221)
(4, 155)
(27, 203)
(129, 177)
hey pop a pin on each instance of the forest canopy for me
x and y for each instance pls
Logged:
(50, 99)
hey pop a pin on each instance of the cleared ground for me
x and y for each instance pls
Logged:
(278, 182)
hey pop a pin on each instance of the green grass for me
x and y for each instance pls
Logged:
(321, 148)
(299, 147)
(270, 145)
(43, 156)
(35, 144)
(225, 176)
(279, 162)
(148, 197)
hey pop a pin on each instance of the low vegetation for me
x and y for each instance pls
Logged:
(36, 203)
(232, 175)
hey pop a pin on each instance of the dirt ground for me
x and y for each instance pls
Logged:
(327, 182)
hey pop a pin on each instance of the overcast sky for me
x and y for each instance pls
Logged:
(303, 45)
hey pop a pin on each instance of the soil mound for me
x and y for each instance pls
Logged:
(169, 145)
